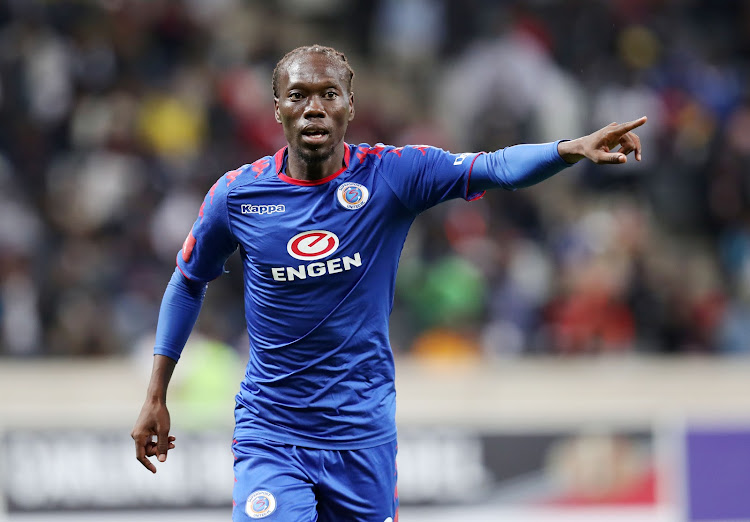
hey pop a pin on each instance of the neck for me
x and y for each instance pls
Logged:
(304, 167)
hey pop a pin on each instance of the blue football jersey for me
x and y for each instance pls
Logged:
(320, 262)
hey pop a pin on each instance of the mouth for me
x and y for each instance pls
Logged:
(315, 135)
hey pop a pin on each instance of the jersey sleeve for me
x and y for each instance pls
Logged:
(210, 241)
(517, 167)
(423, 176)
(179, 310)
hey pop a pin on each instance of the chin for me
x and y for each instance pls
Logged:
(317, 155)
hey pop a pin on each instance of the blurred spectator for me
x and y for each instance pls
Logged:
(21, 236)
(116, 116)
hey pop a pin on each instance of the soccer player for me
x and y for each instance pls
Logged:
(320, 226)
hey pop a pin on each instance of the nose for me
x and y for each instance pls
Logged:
(314, 108)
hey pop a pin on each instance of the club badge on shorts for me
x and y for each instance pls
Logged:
(260, 504)
(352, 196)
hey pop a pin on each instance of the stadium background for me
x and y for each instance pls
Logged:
(574, 350)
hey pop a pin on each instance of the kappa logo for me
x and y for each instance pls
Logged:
(260, 504)
(262, 209)
(352, 196)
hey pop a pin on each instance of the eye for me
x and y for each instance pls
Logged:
(331, 95)
(295, 96)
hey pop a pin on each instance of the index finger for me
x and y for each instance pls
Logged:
(626, 127)
(140, 454)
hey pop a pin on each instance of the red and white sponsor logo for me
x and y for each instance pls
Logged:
(312, 245)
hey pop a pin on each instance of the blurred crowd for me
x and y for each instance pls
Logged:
(116, 116)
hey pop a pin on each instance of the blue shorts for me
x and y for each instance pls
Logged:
(284, 483)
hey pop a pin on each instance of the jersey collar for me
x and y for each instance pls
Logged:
(280, 162)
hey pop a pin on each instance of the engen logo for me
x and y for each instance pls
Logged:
(311, 246)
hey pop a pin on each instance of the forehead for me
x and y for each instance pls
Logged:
(313, 69)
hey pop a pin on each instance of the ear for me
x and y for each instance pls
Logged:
(351, 106)
(276, 110)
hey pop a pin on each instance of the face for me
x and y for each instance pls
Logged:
(314, 106)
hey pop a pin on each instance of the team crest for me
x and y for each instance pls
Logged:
(352, 196)
(260, 504)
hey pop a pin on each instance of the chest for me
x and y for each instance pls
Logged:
(332, 226)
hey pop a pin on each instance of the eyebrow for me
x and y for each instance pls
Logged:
(320, 86)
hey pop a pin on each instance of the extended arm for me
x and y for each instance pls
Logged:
(179, 310)
(525, 165)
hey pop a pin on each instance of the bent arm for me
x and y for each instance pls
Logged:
(179, 310)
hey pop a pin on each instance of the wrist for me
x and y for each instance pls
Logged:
(570, 150)
(156, 395)
(161, 374)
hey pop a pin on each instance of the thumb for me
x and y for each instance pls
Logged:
(162, 445)
(612, 158)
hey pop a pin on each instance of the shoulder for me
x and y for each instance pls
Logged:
(249, 173)
(244, 175)
(380, 152)
(363, 150)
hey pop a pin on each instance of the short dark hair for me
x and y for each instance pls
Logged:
(308, 49)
